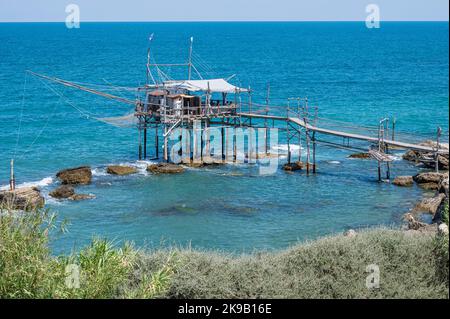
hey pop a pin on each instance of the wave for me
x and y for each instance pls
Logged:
(284, 147)
(140, 165)
(41, 183)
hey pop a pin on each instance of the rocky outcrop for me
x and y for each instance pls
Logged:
(428, 159)
(443, 184)
(413, 224)
(350, 233)
(428, 177)
(26, 198)
(165, 168)
(429, 180)
(74, 176)
(68, 192)
(430, 205)
(411, 155)
(403, 181)
(63, 191)
(295, 166)
(443, 230)
(120, 170)
(360, 155)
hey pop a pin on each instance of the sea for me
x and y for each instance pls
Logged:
(354, 75)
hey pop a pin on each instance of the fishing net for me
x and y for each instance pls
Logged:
(128, 120)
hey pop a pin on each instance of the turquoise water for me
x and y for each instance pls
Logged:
(352, 73)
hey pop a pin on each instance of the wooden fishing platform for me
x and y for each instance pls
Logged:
(199, 105)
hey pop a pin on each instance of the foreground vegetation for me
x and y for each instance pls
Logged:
(411, 266)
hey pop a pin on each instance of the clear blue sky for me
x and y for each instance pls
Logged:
(222, 10)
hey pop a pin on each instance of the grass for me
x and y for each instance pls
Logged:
(411, 266)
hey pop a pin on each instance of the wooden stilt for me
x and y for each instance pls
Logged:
(222, 131)
(145, 138)
(156, 142)
(379, 171)
(314, 152)
(234, 145)
(187, 146)
(166, 146)
(140, 145)
(388, 171)
(12, 179)
(308, 158)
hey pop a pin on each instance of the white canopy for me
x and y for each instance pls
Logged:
(213, 85)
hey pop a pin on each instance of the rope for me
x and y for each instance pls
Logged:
(28, 149)
(19, 128)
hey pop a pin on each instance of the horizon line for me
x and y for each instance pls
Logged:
(210, 21)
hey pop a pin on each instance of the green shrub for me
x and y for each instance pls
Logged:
(411, 266)
(333, 267)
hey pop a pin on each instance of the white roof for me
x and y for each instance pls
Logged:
(213, 85)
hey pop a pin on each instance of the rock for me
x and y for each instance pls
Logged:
(443, 229)
(81, 196)
(293, 166)
(443, 161)
(437, 218)
(165, 168)
(443, 185)
(428, 177)
(120, 170)
(63, 191)
(80, 175)
(411, 155)
(412, 222)
(360, 155)
(429, 186)
(403, 181)
(427, 158)
(350, 233)
(26, 198)
(430, 205)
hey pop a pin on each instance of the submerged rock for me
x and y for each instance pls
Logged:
(403, 181)
(81, 196)
(63, 191)
(120, 170)
(295, 166)
(26, 198)
(360, 155)
(79, 175)
(165, 168)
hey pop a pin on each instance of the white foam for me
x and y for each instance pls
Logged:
(284, 147)
(99, 171)
(42, 183)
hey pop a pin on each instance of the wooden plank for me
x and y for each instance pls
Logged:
(301, 123)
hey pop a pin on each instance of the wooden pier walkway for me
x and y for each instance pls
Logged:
(371, 139)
